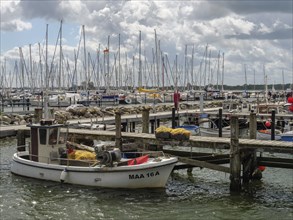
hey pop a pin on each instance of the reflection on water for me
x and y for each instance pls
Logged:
(203, 195)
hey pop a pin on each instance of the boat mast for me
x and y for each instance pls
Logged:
(46, 113)
(98, 67)
(118, 79)
(31, 68)
(60, 56)
(254, 79)
(192, 60)
(157, 59)
(139, 63)
(163, 78)
(266, 85)
(205, 65)
(185, 80)
(223, 73)
(85, 63)
(245, 75)
(218, 71)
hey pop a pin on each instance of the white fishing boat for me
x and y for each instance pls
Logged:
(47, 158)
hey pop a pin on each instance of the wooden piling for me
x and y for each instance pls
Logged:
(173, 117)
(249, 159)
(252, 125)
(235, 160)
(152, 126)
(273, 125)
(158, 123)
(145, 120)
(220, 122)
(118, 136)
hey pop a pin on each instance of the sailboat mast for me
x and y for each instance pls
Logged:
(265, 84)
(118, 79)
(245, 75)
(254, 79)
(192, 60)
(139, 63)
(185, 68)
(218, 70)
(60, 56)
(223, 73)
(85, 63)
(157, 59)
(46, 113)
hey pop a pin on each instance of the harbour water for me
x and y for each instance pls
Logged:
(203, 195)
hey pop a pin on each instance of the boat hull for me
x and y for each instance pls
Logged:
(148, 175)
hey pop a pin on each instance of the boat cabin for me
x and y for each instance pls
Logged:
(46, 139)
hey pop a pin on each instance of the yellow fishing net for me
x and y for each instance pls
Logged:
(82, 155)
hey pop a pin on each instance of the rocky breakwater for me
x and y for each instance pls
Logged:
(15, 119)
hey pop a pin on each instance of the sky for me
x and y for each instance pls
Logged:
(205, 41)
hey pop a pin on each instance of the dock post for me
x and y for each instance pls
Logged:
(273, 124)
(173, 117)
(118, 136)
(252, 125)
(152, 126)
(235, 160)
(249, 161)
(27, 104)
(158, 123)
(20, 140)
(220, 122)
(145, 120)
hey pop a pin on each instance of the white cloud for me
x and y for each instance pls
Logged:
(16, 25)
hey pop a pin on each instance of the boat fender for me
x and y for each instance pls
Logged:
(63, 175)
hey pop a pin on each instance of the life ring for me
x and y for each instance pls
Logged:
(128, 100)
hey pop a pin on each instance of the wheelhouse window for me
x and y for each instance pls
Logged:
(53, 135)
(43, 136)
